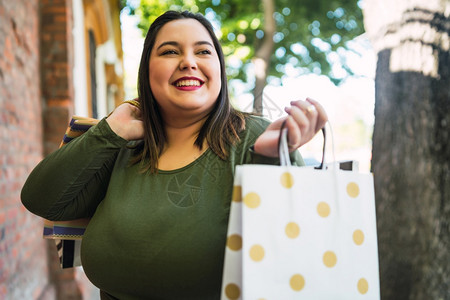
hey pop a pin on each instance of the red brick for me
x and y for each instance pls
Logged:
(2, 220)
(3, 291)
(55, 9)
(8, 52)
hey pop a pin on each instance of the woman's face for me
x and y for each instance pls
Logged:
(184, 70)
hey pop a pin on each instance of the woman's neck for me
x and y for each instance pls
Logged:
(182, 132)
(180, 149)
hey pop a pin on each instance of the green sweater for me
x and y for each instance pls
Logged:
(151, 236)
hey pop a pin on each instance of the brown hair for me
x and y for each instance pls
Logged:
(221, 128)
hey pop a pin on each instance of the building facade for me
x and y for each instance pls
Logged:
(57, 58)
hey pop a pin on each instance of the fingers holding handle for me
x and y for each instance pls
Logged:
(126, 120)
(319, 112)
(305, 119)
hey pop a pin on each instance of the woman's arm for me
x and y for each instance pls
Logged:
(245, 153)
(71, 182)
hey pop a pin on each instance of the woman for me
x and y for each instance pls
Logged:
(156, 180)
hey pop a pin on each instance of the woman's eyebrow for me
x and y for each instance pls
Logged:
(203, 43)
(174, 43)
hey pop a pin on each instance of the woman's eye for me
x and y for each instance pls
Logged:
(204, 52)
(167, 52)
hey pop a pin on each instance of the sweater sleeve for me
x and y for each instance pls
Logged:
(255, 127)
(70, 182)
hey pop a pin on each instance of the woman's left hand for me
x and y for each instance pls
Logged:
(304, 120)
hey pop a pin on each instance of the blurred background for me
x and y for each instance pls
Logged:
(380, 69)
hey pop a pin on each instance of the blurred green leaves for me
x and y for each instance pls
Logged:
(310, 35)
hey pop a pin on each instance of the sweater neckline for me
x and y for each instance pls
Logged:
(189, 165)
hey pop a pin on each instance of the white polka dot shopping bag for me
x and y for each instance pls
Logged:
(301, 233)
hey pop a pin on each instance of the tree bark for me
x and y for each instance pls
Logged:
(261, 59)
(411, 149)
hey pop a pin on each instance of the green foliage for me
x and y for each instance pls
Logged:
(310, 34)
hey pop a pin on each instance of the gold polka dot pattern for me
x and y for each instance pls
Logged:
(261, 251)
(257, 253)
(323, 209)
(234, 242)
(353, 189)
(358, 237)
(252, 200)
(363, 286)
(297, 282)
(292, 230)
(287, 180)
(232, 291)
(329, 259)
(237, 193)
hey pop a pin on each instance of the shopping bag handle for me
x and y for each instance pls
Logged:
(283, 148)
(322, 163)
(283, 151)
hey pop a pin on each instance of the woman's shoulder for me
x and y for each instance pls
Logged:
(254, 127)
(256, 124)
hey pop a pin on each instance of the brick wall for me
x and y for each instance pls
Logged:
(56, 69)
(36, 102)
(23, 255)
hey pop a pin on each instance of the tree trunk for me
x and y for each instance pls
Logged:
(411, 149)
(261, 59)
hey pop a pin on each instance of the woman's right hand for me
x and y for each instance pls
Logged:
(126, 122)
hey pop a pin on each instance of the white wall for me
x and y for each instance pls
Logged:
(79, 69)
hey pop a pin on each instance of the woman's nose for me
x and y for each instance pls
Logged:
(188, 62)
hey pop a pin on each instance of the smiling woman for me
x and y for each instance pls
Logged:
(156, 180)
(178, 48)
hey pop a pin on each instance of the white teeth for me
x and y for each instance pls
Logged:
(188, 83)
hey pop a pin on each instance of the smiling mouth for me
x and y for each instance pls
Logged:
(188, 83)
